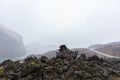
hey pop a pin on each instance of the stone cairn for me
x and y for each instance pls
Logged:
(64, 52)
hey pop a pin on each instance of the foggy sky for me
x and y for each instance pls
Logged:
(77, 23)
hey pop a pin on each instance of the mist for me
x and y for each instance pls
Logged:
(77, 23)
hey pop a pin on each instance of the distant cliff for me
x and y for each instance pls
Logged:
(11, 44)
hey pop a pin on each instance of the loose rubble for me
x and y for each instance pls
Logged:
(65, 66)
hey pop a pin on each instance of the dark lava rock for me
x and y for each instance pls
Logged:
(64, 67)
(44, 59)
(77, 74)
(105, 73)
(82, 57)
(64, 53)
(95, 57)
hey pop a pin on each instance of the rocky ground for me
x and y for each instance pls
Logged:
(65, 66)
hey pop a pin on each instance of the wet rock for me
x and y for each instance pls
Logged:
(95, 57)
(105, 73)
(7, 62)
(63, 48)
(77, 74)
(63, 77)
(44, 59)
(60, 71)
(64, 67)
(30, 59)
(64, 53)
(82, 57)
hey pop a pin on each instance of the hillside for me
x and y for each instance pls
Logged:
(109, 48)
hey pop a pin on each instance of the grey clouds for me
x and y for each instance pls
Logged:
(77, 23)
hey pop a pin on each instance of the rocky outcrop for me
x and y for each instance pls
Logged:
(61, 67)
(79, 51)
(64, 52)
(11, 44)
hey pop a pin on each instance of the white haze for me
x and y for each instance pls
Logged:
(77, 23)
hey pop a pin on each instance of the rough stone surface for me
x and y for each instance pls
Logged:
(64, 53)
(59, 68)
